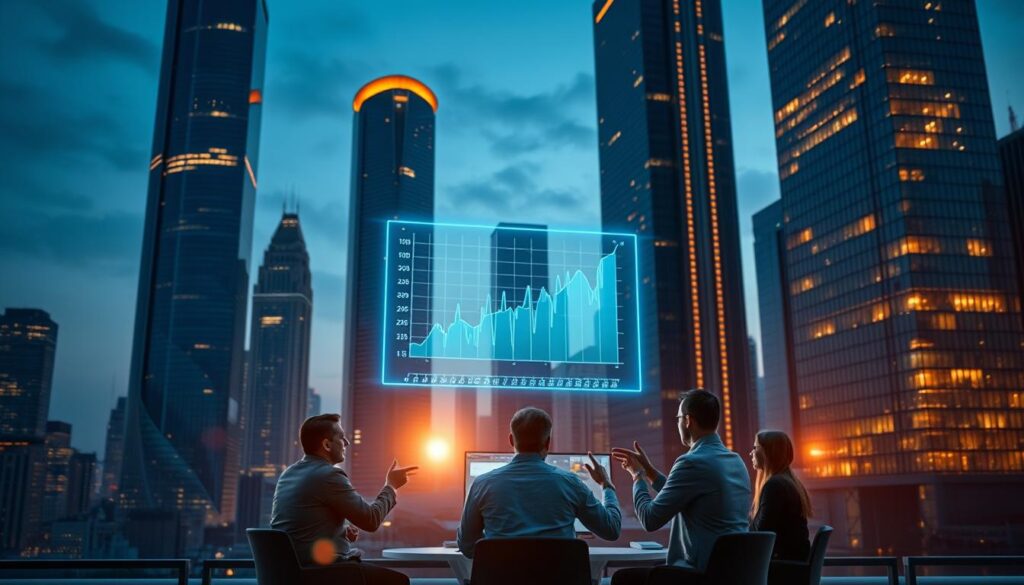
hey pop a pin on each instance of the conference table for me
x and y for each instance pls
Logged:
(600, 556)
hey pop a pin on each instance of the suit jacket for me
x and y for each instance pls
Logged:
(706, 495)
(313, 501)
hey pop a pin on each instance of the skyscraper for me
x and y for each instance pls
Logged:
(113, 452)
(282, 308)
(58, 461)
(28, 344)
(1011, 151)
(897, 262)
(665, 145)
(773, 307)
(392, 178)
(313, 403)
(182, 446)
(509, 283)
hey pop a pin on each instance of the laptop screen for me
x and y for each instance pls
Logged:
(479, 463)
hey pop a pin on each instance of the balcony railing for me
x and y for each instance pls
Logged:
(131, 572)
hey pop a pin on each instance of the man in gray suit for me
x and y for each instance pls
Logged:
(706, 494)
(317, 506)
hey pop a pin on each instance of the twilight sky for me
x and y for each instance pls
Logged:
(516, 139)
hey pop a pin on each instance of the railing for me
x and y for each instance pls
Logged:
(910, 564)
(891, 564)
(224, 564)
(180, 566)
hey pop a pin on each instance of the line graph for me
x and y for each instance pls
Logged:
(510, 306)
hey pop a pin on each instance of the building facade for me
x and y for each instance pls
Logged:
(773, 304)
(278, 381)
(28, 345)
(665, 145)
(113, 452)
(392, 178)
(903, 303)
(510, 282)
(182, 446)
(1011, 151)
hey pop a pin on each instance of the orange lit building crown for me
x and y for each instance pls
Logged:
(389, 82)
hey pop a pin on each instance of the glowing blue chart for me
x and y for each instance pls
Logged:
(510, 306)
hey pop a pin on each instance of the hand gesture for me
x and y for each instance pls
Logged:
(399, 476)
(351, 533)
(597, 472)
(635, 461)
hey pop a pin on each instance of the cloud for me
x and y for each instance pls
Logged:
(84, 37)
(311, 85)
(39, 129)
(516, 124)
(107, 243)
(512, 191)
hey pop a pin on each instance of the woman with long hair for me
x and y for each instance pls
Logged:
(780, 502)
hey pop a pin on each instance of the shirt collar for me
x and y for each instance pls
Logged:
(521, 457)
(711, 439)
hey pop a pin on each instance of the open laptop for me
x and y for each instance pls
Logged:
(479, 463)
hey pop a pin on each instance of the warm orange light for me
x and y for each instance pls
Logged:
(816, 452)
(390, 82)
(255, 96)
(437, 449)
(324, 552)
(603, 11)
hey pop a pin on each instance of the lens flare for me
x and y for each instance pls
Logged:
(437, 449)
(324, 552)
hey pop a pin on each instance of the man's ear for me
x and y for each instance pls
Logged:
(511, 441)
(547, 443)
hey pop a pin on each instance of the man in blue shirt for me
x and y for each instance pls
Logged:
(706, 494)
(529, 498)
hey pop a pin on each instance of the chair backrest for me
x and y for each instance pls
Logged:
(817, 558)
(535, 561)
(741, 558)
(276, 562)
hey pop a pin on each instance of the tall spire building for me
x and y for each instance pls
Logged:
(278, 384)
(897, 268)
(665, 145)
(182, 442)
(392, 178)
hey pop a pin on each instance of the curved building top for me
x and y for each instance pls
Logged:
(389, 82)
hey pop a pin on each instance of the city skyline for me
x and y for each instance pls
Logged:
(472, 94)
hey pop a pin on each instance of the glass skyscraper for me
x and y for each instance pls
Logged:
(667, 175)
(1011, 151)
(182, 441)
(903, 304)
(28, 344)
(773, 300)
(278, 382)
(392, 178)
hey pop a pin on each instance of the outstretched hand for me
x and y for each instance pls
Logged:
(635, 461)
(399, 476)
(597, 472)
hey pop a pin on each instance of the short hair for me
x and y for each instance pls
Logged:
(531, 428)
(703, 407)
(315, 429)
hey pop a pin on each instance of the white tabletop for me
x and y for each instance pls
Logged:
(603, 553)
